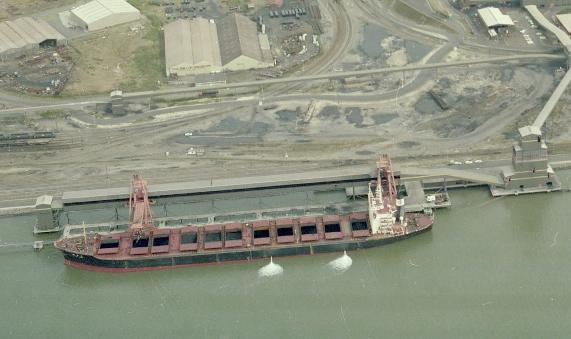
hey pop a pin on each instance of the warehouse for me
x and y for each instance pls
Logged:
(26, 33)
(495, 20)
(565, 21)
(240, 46)
(544, 3)
(191, 47)
(200, 46)
(99, 14)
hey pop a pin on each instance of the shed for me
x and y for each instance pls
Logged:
(494, 18)
(26, 33)
(565, 21)
(99, 14)
(201, 46)
(44, 201)
(191, 47)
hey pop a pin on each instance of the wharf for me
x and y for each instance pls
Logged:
(352, 180)
(343, 177)
(337, 178)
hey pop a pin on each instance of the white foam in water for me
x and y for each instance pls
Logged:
(342, 263)
(270, 270)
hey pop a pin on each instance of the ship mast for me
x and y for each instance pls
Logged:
(386, 178)
(140, 216)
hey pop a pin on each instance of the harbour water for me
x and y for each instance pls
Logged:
(492, 268)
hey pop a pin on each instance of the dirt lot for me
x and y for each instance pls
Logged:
(128, 56)
(11, 8)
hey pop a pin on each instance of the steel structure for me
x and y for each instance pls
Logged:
(140, 215)
(386, 178)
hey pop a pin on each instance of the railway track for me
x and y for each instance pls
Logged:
(343, 30)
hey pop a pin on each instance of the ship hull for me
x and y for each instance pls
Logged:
(133, 264)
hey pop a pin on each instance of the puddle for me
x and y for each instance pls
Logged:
(507, 74)
(229, 124)
(232, 124)
(408, 144)
(427, 105)
(286, 115)
(259, 128)
(415, 50)
(330, 112)
(354, 116)
(380, 119)
(375, 36)
(444, 82)
(372, 37)
(217, 140)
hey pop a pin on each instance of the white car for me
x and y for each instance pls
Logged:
(468, 162)
(478, 161)
(188, 134)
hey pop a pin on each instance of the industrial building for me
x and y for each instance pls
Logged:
(26, 33)
(201, 46)
(99, 14)
(191, 46)
(240, 46)
(543, 3)
(495, 20)
(565, 21)
(474, 3)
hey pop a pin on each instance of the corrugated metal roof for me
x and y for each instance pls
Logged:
(26, 32)
(238, 36)
(203, 42)
(21, 31)
(11, 35)
(6, 42)
(565, 20)
(529, 130)
(493, 17)
(191, 42)
(99, 9)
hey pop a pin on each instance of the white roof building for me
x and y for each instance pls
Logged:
(493, 17)
(565, 21)
(99, 14)
(529, 130)
(26, 33)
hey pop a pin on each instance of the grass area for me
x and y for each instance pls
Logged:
(129, 57)
(148, 61)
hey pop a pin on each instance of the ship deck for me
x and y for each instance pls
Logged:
(285, 233)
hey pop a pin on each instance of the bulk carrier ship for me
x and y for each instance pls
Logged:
(145, 247)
